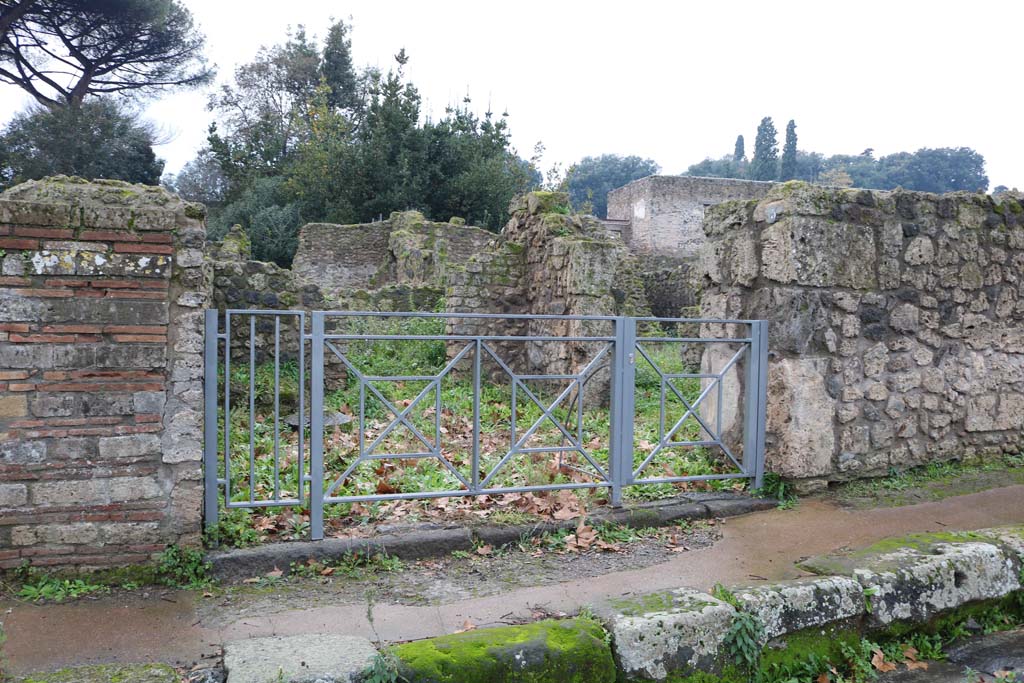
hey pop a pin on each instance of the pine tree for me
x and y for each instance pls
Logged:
(788, 169)
(739, 153)
(764, 165)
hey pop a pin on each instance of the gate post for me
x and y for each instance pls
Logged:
(620, 454)
(211, 482)
(755, 406)
(316, 430)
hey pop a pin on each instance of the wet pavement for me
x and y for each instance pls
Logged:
(177, 628)
(995, 657)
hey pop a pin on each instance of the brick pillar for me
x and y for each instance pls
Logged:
(101, 293)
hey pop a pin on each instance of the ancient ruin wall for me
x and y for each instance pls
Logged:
(665, 214)
(548, 262)
(406, 249)
(896, 323)
(101, 299)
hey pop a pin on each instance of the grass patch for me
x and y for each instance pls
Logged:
(933, 481)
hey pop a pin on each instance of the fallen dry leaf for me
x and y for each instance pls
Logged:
(484, 550)
(275, 573)
(878, 661)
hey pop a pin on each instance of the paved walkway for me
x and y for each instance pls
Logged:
(165, 627)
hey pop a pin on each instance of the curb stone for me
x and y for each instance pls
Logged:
(790, 606)
(322, 658)
(908, 585)
(546, 651)
(683, 633)
(434, 542)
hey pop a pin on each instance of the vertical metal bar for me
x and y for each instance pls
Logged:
(579, 409)
(629, 398)
(362, 417)
(756, 381)
(227, 409)
(252, 408)
(437, 417)
(210, 445)
(514, 400)
(316, 432)
(762, 400)
(751, 387)
(302, 405)
(661, 412)
(718, 408)
(476, 415)
(620, 454)
(277, 407)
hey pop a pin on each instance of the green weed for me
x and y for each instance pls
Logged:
(182, 567)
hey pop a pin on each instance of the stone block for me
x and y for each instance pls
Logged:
(78, 492)
(915, 585)
(149, 401)
(311, 658)
(130, 446)
(22, 452)
(540, 651)
(680, 631)
(13, 406)
(797, 249)
(800, 418)
(804, 603)
(13, 495)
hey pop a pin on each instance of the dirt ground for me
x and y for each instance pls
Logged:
(449, 579)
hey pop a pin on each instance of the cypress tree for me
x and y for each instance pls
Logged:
(788, 169)
(739, 152)
(765, 164)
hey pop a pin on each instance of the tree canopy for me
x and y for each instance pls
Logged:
(942, 169)
(301, 136)
(99, 139)
(62, 51)
(591, 179)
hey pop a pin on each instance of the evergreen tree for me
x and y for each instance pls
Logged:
(99, 139)
(337, 67)
(764, 165)
(740, 152)
(788, 169)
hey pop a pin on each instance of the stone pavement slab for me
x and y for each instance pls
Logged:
(314, 658)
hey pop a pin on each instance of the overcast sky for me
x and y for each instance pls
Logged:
(673, 81)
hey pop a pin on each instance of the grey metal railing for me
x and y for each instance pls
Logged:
(282, 458)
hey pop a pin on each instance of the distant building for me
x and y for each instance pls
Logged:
(664, 215)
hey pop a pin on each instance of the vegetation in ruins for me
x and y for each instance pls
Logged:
(329, 143)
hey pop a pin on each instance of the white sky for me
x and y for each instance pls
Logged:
(673, 81)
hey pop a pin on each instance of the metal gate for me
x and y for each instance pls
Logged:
(584, 415)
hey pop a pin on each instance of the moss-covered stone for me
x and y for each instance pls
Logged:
(572, 651)
(107, 673)
(844, 564)
(787, 654)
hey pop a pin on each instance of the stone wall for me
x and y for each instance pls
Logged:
(896, 323)
(547, 262)
(405, 250)
(101, 299)
(664, 214)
